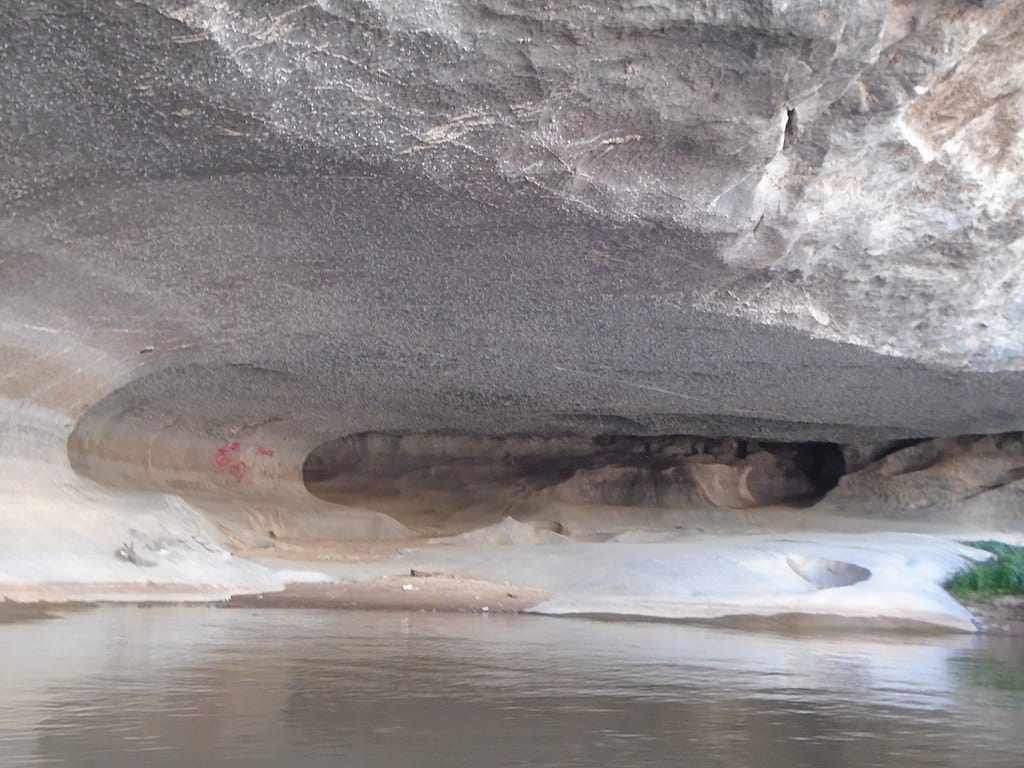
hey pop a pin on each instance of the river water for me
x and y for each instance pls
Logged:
(200, 686)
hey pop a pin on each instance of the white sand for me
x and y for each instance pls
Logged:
(711, 576)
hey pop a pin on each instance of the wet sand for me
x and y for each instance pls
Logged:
(454, 594)
(13, 613)
(450, 593)
(415, 591)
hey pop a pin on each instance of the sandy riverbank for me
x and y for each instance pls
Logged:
(413, 591)
(841, 579)
(885, 579)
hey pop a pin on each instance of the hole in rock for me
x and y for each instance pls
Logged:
(822, 463)
(827, 574)
(791, 130)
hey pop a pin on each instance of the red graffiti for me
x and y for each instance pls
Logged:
(238, 469)
(222, 459)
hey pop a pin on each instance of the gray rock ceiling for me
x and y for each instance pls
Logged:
(799, 220)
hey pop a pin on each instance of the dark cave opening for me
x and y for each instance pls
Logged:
(622, 470)
(822, 463)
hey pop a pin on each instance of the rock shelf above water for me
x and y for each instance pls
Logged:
(234, 235)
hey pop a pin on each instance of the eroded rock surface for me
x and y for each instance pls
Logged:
(435, 483)
(851, 170)
(976, 478)
(232, 231)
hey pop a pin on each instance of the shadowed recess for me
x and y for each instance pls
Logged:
(423, 476)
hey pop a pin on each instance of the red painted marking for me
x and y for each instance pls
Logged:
(223, 458)
(264, 451)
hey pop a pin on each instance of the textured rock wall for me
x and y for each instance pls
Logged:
(970, 478)
(274, 223)
(857, 164)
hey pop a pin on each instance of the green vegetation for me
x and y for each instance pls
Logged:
(1002, 575)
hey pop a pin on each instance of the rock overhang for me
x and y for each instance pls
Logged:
(326, 219)
(534, 247)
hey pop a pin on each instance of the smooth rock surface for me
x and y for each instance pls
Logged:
(876, 579)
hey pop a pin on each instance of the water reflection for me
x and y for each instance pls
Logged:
(1001, 667)
(202, 686)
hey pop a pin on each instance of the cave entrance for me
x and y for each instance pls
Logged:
(435, 482)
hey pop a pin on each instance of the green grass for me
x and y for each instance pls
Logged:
(1002, 575)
